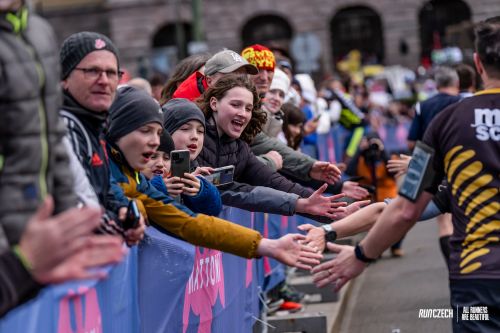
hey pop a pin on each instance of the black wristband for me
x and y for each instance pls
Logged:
(360, 255)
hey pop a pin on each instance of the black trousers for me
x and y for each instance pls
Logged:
(470, 299)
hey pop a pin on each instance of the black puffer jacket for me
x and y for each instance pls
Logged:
(218, 152)
(33, 159)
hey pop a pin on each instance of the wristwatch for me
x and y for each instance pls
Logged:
(360, 255)
(330, 234)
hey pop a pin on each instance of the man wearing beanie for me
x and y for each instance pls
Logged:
(223, 62)
(89, 76)
(262, 58)
(90, 73)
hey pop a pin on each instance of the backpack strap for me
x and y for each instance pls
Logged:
(73, 122)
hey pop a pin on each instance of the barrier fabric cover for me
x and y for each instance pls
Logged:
(185, 288)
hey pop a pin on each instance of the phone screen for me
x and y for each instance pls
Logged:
(221, 176)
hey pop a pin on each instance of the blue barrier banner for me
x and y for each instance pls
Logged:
(184, 288)
(167, 285)
(165, 265)
(339, 136)
(83, 306)
(326, 148)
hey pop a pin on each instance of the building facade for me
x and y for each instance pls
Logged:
(316, 33)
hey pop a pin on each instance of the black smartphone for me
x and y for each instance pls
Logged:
(355, 178)
(132, 217)
(179, 162)
(369, 188)
(221, 176)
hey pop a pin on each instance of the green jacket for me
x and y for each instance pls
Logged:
(295, 163)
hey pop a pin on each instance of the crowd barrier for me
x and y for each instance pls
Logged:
(110, 305)
(165, 285)
(185, 288)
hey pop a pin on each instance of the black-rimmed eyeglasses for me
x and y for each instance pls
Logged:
(95, 73)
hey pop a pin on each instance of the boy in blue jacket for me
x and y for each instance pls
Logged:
(199, 195)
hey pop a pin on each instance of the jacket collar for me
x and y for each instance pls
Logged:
(118, 158)
(97, 119)
(15, 22)
(211, 129)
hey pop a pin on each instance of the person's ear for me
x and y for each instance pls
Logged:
(213, 103)
(479, 65)
(209, 80)
(64, 84)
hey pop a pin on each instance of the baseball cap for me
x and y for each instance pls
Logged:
(228, 61)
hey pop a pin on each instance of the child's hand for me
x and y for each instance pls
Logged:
(174, 186)
(203, 171)
(191, 185)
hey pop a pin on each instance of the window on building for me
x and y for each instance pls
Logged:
(438, 28)
(169, 36)
(266, 30)
(357, 28)
(169, 45)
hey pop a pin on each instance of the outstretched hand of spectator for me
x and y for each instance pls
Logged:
(353, 190)
(325, 172)
(320, 205)
(399, 166)
(63, 247)
(354, 207)
(290, 251)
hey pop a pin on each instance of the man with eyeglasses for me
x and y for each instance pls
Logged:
(90, 72)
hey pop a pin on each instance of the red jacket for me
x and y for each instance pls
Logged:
(192, 87)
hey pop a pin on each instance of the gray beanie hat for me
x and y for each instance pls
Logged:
(179, 111)
(131, 109)
(78, 45)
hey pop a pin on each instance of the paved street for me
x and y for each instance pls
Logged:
(388, 296)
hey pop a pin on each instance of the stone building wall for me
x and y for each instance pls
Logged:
(132, 23)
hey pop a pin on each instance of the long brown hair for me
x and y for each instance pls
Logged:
(293, 116)
(219, 90)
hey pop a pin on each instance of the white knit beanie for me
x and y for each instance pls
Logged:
(280, 81)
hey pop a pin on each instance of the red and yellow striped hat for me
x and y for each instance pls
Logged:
(259, 56)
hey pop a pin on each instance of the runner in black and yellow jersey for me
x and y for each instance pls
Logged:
(466, 140)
